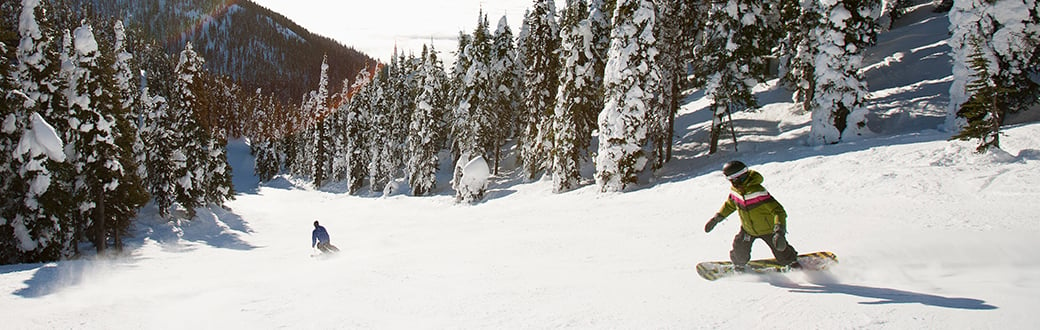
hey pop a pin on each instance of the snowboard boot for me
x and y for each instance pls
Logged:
(740, 268)
(793, 265)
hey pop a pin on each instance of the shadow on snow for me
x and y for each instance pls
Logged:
(51, 277)
(826, 284)
(215, 227)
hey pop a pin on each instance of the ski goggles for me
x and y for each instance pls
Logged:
(738, 176)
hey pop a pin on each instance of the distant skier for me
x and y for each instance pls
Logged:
(761, 216)
(320, 238)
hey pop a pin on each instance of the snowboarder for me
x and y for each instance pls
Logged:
(320, 238)
(761, 217)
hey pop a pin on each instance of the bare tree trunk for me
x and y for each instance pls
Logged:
(673, 108)
(716, 131)
(100, 241)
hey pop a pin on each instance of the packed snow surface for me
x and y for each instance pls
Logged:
(929, 234)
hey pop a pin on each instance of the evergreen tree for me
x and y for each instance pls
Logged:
(11, 111)
(986, 109)
(736, 40)
(631, 79)
(189, 156)
(303, 138)
(798, 51)
(156, 124)
(671, 63)
(505, 88)
(474, 118)
(354, 139)
(321, 167)
(838, 39)
(37, 211)
(422, 137)
(600, 17)
(107, 183)
(219, 187)
(159, 148)
(1008, 34)
(574, 99)
(401, 93)
(541, 69)
(268, 161)
(379, 134)
(131, 193)
(454, 118)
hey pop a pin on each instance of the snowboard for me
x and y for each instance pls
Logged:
(332, 250)
(713, 270)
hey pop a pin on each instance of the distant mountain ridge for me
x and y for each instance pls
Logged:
(241, 39)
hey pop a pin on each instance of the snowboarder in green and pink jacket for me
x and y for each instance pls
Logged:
(761, 217)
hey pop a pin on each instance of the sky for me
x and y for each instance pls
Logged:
(928, 234)
(375, 27)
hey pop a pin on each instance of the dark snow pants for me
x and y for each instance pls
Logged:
(741, 253)
(326, 247)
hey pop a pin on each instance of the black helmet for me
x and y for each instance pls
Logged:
(734, 169)
(315, 223)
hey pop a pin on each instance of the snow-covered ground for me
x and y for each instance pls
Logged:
(929, 235)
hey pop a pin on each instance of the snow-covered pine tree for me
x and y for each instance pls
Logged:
(474, 118)
(107, 183)
(401, 94)
(574, 99)
(600, 17)
(797, 51)
(127, 91)
(321, 167)
(505, 88)
(217, 101)
(735, 42)
(126, 65)
(37, 209)
(379, 134)
(159, 148)
(190, 155)
(303, 138)
(355, 122)
(1011, 39)
(131, 192)
(986, 109)
(521, 62)
(670, 61)
(39, 62)
(484, 117)
(541, 69)
(442, 98)
(422, 161)
(845, 29)
(338, 131)
(630, 78)
(268, 163)
(157, 124)
(1006, 35)
(219, 187)
(11, 111)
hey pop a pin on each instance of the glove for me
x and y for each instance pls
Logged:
(779, 239)
(711, 223)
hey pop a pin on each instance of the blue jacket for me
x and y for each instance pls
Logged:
(319, 235)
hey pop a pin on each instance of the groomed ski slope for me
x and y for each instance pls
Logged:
(930, 236)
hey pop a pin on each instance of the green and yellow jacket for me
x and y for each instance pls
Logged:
(759, 212)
